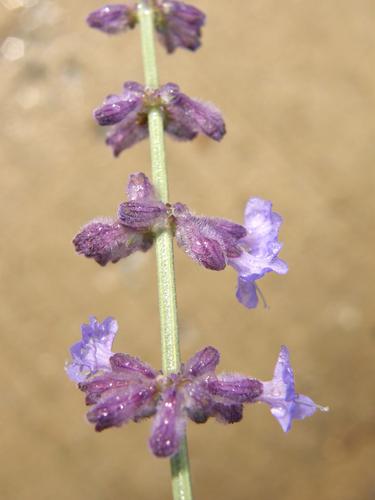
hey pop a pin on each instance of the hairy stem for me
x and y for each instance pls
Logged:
(181, 484)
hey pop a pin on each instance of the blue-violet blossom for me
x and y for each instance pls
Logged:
(121, 388)
(176, 23)
(184, 117)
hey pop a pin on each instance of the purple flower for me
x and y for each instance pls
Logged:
(279, 393)
(260, 250)
(113, 18)
(121, 388)
(108, 240)
(184, 117)
(177, 24)
(92, 354)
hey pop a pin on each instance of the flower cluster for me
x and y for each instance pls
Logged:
(176, 23)
(121, 388)
(183, 117)
(252, 249)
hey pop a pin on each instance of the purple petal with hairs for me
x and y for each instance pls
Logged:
(128, 132)
(169, 424)
(131, 366)
(191, 116)
(236, 388)
(121, 406)
(203, 362)
(106, 241)
(113, 18)
(143, 215)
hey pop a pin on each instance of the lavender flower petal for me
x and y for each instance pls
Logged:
(279, 393)
(204, 361)
(247, 292)
(106, 241)
(169, 424)
(260, 250)
(113, 18)
(92, 353)
(178, 25)
(235, 388)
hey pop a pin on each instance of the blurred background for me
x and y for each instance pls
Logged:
(295, 81)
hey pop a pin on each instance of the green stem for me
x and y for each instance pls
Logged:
(181, 484)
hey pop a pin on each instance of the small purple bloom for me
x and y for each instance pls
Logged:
(260, 250)
(178, 25)
(279, 393)
(184, 117)
(92, 354)
(113, 18)
(121, 388)
(108, 240)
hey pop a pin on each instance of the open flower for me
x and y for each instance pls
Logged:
(184, 117)
(121, 388)
(176, 23)
(279, 393)
(260, 249)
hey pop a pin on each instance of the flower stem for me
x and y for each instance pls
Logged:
(181, 484)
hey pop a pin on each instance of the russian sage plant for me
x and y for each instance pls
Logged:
(120, 388)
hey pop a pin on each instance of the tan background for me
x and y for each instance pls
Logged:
(295, 81)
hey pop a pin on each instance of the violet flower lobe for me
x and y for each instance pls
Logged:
(176, 23)
(260, 249)
(184, 117)
(109, 240)
(121, 388)
(279, 393)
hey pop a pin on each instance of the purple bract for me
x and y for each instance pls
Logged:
(184, 117)
(177, 24)
(121, 388)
